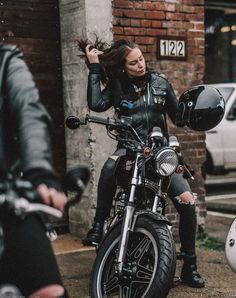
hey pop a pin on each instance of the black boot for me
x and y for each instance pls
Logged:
(94, 235)
(189, 274)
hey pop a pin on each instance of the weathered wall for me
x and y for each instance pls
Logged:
(142, 22)
(82, 18)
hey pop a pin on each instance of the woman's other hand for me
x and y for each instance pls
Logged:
(92, 54)
(52, 197)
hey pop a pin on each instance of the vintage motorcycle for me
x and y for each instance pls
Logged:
(137, 256)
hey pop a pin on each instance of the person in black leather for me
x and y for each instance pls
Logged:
(146, 97)
(28, 261)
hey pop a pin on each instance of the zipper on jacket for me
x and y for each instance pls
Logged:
(145, 105)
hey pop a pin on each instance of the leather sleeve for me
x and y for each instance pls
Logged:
(172, 102)
(29, 120)
(98, 100)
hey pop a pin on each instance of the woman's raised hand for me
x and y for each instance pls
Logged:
(92, 54)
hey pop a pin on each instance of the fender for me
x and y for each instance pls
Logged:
(157, 217)
(152, 215)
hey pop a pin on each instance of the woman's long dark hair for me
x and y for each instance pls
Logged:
(112, 63)
(113, 58)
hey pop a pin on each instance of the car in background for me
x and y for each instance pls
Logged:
(221, 140)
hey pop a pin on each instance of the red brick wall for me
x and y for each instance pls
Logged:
(141, 22)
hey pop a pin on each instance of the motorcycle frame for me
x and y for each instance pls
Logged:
(129, 218)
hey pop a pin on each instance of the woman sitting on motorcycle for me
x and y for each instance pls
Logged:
(146, 97)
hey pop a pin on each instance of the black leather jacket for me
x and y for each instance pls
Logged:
(147, 111)
(24, 122)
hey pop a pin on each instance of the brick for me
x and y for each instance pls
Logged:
(174, 16)
(151, 48)
(134, 31)
(170, 7)
(122, 4)
(145, 40)
(199, 26)
(138, 14)
(144, 5)
(155, 15)
(155, 32)
(135, 23)
(186, 8)
(196, 51)
(194, 17)
(145, 23)
(129, 38)
(194, 2)
(178, 25)
(118, 30)
(117, 12)
(125, 22)
(149, 6)
(156, 24)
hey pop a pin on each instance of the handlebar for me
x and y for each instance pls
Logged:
(104, 121)
(74, 122)
(76, 180)
(22, 207)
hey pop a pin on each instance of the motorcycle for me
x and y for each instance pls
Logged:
(18, 197)
(137, 257)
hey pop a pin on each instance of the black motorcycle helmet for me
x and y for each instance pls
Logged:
(200, 108)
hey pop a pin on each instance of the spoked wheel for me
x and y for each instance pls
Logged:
(149, 266)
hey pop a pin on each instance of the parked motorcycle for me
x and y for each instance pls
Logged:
(137, 256)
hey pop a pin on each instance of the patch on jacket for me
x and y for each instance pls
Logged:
(159, 96)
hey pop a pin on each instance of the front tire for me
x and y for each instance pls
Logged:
(149, 267)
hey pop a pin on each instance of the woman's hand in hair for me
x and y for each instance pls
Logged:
(92, 54)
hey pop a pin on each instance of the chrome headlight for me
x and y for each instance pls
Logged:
(166, 161)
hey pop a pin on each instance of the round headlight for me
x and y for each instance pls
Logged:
(166, 161)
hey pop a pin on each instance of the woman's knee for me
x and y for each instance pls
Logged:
(186, 198)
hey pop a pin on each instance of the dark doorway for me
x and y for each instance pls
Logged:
(220, 41)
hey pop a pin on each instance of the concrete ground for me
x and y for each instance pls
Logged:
(75, 262)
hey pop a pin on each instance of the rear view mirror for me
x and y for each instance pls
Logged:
(73, 122)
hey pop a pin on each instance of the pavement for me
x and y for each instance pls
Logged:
(75, 261)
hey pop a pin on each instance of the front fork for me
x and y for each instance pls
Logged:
(128, 219)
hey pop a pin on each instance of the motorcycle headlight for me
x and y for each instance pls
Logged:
(166, 161)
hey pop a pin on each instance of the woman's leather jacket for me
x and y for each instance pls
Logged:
(147, 110)
(24, 123)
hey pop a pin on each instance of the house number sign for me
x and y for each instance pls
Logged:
(171, 48)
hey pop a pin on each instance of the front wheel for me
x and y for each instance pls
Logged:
(149, 266)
